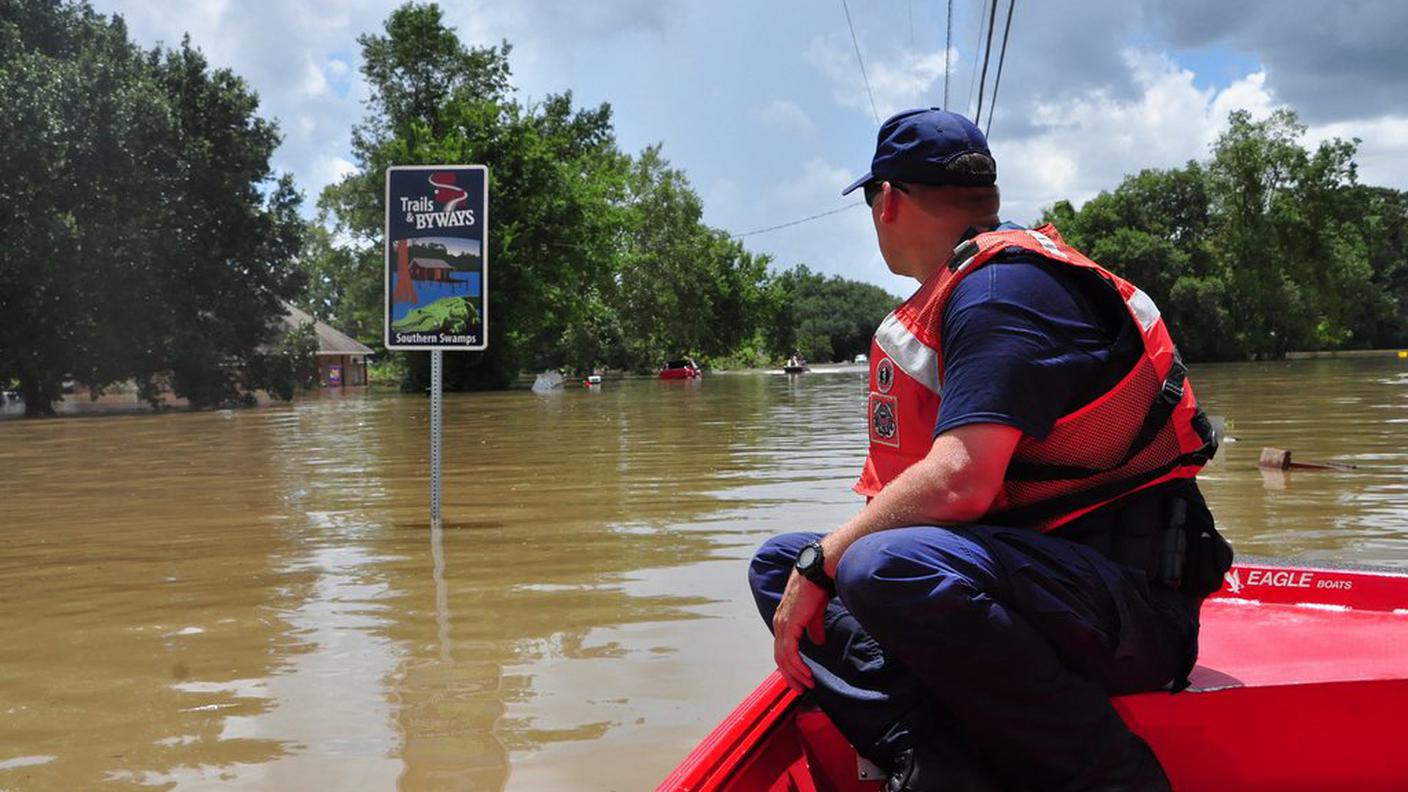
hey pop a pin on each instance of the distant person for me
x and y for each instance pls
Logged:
(1034, 539)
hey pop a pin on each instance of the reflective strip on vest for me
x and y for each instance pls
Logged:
(1097, 436)
(1048, 245)
(909, 353)
(1143, 309)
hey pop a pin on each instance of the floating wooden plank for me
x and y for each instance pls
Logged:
(1280, 459)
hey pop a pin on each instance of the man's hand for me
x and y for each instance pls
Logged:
(802, 606)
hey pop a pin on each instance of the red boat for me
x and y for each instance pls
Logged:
(1301, 684)
(680, 369)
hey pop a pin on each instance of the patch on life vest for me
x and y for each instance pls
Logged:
(884, 374)
(884, 420)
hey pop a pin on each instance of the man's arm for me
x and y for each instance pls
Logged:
(956, 482)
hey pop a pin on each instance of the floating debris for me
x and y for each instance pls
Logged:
(1280, 459)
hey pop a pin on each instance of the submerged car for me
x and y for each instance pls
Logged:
(684, 368)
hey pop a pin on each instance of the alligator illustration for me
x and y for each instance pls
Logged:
(446, 315)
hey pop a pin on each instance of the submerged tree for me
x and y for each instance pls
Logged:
(1268, 248)
(146, 234)
(596, 258)
(823, 319)
(555, 178)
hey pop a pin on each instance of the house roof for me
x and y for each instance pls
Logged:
(430, 263)
(331, 341)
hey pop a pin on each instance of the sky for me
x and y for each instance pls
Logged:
(764, 106)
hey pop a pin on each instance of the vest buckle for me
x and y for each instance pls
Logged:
(966, 250)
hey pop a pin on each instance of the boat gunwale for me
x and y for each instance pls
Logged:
(734, 742)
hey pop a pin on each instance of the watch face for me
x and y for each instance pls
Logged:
(807, 557)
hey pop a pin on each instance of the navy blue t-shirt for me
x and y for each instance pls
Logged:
(1026, 341)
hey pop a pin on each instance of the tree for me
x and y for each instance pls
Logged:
(824, 319)
(1268, 247)
(555, 177)
(1285, 231)
(146, 234)
(289, 364)
(682, 288)
(344, 284)
(597, 258)
(1384, 215)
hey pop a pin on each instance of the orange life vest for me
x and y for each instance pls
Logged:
(1144, 431)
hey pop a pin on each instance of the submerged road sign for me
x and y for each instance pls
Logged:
(437, 257)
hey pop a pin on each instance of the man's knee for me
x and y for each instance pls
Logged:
(774, 559)
(885, 576)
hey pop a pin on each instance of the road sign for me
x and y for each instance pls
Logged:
(437, 257)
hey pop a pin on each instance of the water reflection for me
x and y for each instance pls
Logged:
(1351, 410)
(255, 599)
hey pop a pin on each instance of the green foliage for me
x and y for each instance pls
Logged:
(344, 285)
(682, 287)
(555, 177)
(824, 319)
(145, 233)
(1267, 248)
(388, 371)
(290, 364)
(598, 259)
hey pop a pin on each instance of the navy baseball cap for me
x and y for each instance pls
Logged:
(916, 147)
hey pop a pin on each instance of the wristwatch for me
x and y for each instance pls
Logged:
(811, 564)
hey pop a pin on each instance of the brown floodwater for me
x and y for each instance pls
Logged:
(255, 599)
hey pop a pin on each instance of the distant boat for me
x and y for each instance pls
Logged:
(547, 381)
(795, 365)
(683, 368)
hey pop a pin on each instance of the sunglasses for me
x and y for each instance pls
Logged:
(875, 187)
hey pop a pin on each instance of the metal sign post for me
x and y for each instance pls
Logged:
(437, 275)
(437, 429)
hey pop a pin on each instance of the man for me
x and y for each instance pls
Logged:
(1034, 540)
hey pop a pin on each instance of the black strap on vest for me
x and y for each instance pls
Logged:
(1075, 501)
(1154, 421)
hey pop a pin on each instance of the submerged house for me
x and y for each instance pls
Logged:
(431, 269)
(342, 360)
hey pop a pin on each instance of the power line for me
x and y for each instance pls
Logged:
(911, 28)
(948, 48)
(987, 55)
(798, 222)
(913, 55)
(1001, 57)
(977, 49)
(861, 61)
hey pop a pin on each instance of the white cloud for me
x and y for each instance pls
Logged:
(900, 81)
(838, 244)
(314, 81)
(328, 170)
(1383, 147)
(818, 182)
(294, 55)
(784, 115)
(1090, 141)
(1071, 120)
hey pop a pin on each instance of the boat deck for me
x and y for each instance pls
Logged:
(1254, 644)
(1301, 684)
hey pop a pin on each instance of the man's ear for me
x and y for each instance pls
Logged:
(889, 206)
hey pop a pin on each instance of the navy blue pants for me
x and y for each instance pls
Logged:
(1007, 641)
